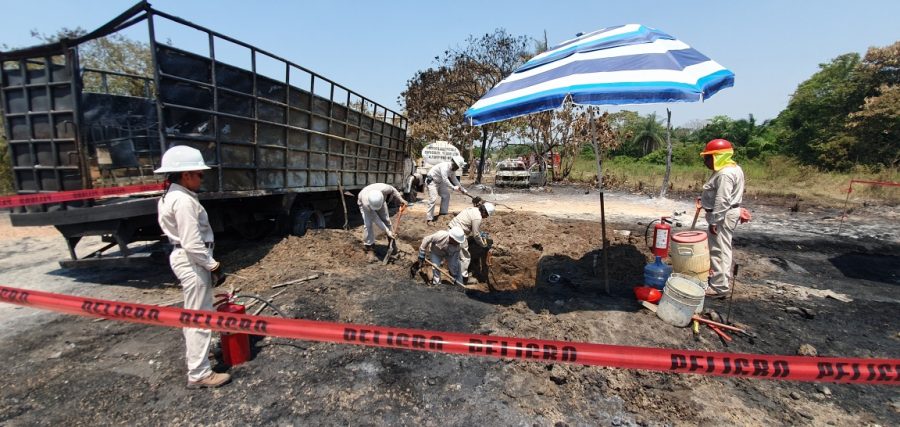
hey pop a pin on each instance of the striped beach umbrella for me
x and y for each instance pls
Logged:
(628, 64)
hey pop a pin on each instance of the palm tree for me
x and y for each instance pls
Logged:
(650, 135)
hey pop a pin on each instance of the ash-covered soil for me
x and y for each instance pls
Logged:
(76, 371)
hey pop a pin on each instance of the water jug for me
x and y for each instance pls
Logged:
(656, 273)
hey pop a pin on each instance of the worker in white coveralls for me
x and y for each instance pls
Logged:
(373, 205)
(469, 220)
(443, 245)
(440, 179)
(721, 199)
(184, 221)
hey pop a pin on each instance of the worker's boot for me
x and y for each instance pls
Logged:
(212, 380)
(370, 253)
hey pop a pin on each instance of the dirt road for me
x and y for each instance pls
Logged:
(63, 369)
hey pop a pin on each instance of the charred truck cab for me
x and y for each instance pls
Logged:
(283, 146)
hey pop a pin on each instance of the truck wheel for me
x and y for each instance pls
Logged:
(307, 219)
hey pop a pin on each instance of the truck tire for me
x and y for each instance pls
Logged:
(306, 219)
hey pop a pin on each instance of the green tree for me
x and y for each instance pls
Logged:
(814, 122)
(876, 125)
(650, 135)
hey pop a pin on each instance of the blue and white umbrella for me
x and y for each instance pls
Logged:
(628, 64)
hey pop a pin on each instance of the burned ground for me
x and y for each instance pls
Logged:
(78, 371)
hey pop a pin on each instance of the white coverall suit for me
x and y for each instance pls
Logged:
(184, 221)
(443, 178)
(441, 249)
(721, 198)
(469, 220)
(380, 217)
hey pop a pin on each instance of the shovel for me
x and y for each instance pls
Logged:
(392, 243)
(445, 272)
(696, 214)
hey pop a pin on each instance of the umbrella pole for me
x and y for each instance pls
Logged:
(596, 149)
(665, 183)
(605, 244)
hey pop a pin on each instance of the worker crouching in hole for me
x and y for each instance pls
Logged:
(443, 245)
(184, 221)
(469, 220)
(373, 205)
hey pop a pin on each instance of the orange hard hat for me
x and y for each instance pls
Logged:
(717, 146)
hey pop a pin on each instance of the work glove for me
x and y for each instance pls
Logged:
(477, 201)
(217, 276)
(389, 234)
(421, 256)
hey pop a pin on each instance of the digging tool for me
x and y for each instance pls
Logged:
(695, 329)
(734, 273)
(392, 243)
(294, 282)
(390, 251)
(721, 334)
(696, 213)
(445, 272)
(488, 201)
(697, 318)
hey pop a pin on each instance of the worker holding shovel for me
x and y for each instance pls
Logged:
(440, 179)
(443, 245)
(721, 199)
(373, 205)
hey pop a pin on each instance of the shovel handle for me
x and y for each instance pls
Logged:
(450, 276)
(717, 324)
(720, 333)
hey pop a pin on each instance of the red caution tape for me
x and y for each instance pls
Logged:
(796, 368)
(68, 196)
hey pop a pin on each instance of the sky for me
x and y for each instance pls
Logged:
(375, 47)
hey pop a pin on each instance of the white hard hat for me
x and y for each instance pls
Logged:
(489, 208)
(459, 161)
(376, 199)
(457, 234)
(182, 158)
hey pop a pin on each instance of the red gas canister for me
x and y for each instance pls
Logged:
(661, 232)
(235, 347)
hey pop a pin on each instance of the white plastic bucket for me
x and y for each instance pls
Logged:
(682, 298)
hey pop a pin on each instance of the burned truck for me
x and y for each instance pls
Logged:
(283, 145)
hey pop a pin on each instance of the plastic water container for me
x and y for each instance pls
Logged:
(656, 273)
(690, 254)
(682, 298)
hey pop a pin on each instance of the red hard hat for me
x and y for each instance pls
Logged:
(717, 146)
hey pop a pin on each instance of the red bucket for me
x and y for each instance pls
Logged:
(647, 293)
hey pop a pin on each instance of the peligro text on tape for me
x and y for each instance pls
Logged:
(796, 368)
(69, 196)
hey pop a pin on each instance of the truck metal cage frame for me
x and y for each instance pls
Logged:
(262, 136)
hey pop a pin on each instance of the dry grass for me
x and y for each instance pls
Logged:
(775, 177)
